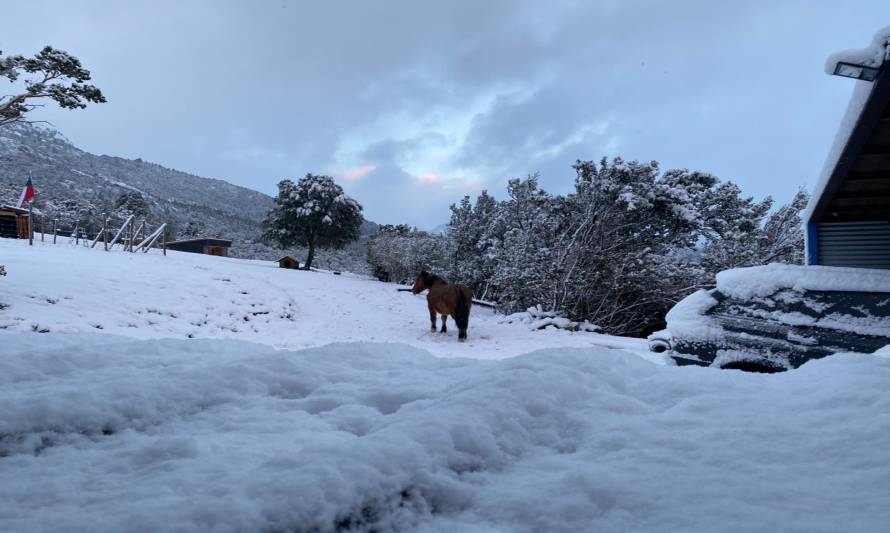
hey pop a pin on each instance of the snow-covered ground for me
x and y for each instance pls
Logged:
(136, 427)
(69, 289)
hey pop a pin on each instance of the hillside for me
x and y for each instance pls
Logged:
(77, 187)
(193, 393)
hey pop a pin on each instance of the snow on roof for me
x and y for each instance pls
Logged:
(202, 239)
(762, 281)
(873, 56)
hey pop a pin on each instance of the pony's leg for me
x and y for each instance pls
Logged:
(444, 328)
(461, 334)
(432, 319)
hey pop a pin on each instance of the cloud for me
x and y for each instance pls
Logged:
(357, 173)
(484, 92)
(429, 179)
(249, 154)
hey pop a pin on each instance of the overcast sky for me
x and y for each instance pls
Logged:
(412, 104)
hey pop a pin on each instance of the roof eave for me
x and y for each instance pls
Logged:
(878, 100)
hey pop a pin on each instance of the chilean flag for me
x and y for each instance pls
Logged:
(27, 194)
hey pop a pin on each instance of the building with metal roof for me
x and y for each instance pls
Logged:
(848, 218)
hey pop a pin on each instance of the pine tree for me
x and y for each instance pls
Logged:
(781, 239)
(314, 212)
(50, 74)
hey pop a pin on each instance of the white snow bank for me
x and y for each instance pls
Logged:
(107, 434)
(765, 280)
(873, 56)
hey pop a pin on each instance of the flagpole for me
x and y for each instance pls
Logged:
(30, 223)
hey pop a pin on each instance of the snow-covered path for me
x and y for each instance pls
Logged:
(67, 289)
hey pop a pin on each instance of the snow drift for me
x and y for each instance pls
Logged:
(102, 433)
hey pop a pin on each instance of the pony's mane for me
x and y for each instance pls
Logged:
(431, 279)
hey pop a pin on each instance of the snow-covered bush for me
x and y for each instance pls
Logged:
(740, 232)
(536, 318)
(398, 253)
(618, 251)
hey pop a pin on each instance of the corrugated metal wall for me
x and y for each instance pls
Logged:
(854, 244)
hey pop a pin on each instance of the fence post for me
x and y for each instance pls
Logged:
(55, 231)
(164, 243)
(42, 228)
(105, 231)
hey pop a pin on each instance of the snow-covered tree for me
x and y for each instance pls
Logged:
(314, 212)
(192, 229)
(131, 203)
(741, 232)
(521, 234)
(617, 264)
(618, 251)
(781, 238)
(398, 253)
(472, 261)
(50, 74)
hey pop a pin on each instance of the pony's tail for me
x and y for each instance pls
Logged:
(462, 312)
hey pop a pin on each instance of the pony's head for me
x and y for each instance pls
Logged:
(424, 281)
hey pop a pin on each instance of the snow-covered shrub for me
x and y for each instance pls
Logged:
(536, 318)
(618, 251)
(740, 232)
(398, 253)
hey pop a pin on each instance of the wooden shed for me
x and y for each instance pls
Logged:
(848, 220)
(288, 262)
(13, 222)
(209, 246)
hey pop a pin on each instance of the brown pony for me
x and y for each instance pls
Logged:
(446, 299)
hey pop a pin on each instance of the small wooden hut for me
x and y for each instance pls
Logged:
(13, 222)
(288, 262)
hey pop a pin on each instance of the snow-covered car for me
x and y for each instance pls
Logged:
(777, 317)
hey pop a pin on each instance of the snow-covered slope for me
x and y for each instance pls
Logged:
(67, 289)
(77, 187)
(125, 424)
(63, 172)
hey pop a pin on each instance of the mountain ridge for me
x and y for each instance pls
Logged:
(77, 187)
